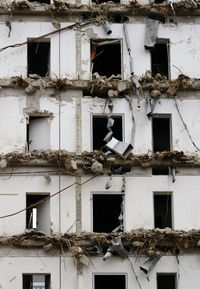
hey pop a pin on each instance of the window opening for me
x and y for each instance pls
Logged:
(166, 281)
(36, 281)
(159, 1)
(109, 281)
(38, 217)
(104, 1)
(106, 57)
(161, 134)
(41, 1)
(38, 133)
(106, 211)
(162, 210)
(38, 58)
(160, 59)
(100, 130)
(160, 170)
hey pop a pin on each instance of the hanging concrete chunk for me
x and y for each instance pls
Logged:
(149, 263)
(116, 247)
(151, 33)
(119, 147)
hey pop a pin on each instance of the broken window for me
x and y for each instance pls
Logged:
(38, 58)
(38, 133)
(100, 130)
(107, 208)
(38, 216)
(161, 133)
(36, 281)
(159, 1)
(166, 281)
(163, 210)
(106, 57)
(109, 281)
(160, 59)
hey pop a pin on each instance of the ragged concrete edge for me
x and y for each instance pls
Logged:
(138, 241)
(102, 86)
(60, 7)
(96, 162)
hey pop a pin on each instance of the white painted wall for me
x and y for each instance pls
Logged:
(139, 211)
(184, 37)
(189, 271)
(14, 110)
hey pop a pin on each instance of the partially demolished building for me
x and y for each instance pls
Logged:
(99, 144)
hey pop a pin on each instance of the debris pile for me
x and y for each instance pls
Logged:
(139, 241)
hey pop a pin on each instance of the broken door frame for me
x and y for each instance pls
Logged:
(100, 115)
(39, 115)
(167, 42)
(171, 193)
(166, 273)
(106, 193)
(108, 39)
(110, 273)
(36, 40)
(163, 115)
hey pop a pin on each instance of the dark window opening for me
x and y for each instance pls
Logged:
(162, 211)
(36, 281)
(104, 1)
(166, 281)
(38, 216)
(106, 211)
(159, 60)
(41, 1)
(160, 171)
(100, 130)
(106, 59)
(159, 1)
(109, 281)
(161, 134)
(38, 133)
(38, 58)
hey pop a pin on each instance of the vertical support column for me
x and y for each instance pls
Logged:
(78, 206)
(78, 54)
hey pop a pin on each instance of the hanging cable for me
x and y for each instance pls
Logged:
(184, 124)
(47, 198)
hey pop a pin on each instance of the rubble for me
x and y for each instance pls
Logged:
(104, 87)
(97, 162)
(160, 10)
(138, 241)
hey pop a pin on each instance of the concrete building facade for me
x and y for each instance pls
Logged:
(99, 144)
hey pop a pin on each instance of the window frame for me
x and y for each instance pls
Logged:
(107, 193)
(171, 193)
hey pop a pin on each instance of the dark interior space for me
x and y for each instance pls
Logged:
(38, 58)
(30, 200)
(159, 60)
(166, 281)
(100, 130)
(159, 1)
(162, 211)
(109, 282)
(104, 1)
(106, 59)
(28, 281)
(160, 170)
(106, 210)
(161, 134)
(41, 1)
